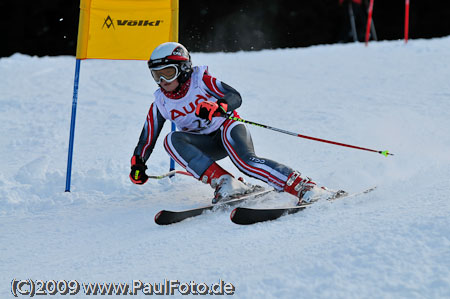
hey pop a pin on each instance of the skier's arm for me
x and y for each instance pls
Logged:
(223, 92)
(149, 134)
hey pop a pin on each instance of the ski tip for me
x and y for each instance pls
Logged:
(157, 217)
(233, 213)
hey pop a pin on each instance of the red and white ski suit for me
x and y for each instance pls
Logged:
(198, 142)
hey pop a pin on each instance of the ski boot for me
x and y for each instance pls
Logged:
(225, 185)
(307, 191)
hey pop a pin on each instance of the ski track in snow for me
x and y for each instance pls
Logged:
(391, 243)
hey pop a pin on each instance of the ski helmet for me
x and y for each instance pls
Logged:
(171, 54)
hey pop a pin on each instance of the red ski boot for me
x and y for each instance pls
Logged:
(304, 189)
(225, 184)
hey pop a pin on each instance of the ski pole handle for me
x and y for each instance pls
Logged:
(384, 153)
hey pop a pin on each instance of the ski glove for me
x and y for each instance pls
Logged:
(138, 167)
(208, 109)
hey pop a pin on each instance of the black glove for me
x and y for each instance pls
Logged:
(208, 109)
(138, 167)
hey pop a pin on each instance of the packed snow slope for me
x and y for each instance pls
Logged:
(391, 243)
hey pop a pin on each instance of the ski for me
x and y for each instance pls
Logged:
(166, 217)
(247, 216)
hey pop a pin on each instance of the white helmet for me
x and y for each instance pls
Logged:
(171, 53)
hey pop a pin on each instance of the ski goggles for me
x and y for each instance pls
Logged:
(167, 73)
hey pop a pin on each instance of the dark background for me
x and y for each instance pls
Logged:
(49, 27)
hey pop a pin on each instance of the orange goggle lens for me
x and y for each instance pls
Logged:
(168, 74)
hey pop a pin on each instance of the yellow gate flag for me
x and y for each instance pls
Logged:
(125, 29)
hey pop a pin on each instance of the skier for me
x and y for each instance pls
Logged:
(200, 105)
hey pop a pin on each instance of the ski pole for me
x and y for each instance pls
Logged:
(369, 21)
(170, 173)
(384, 153)
(406, 20)
(352, 21)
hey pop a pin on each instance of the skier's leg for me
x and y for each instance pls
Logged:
(194, 152)
(239, 145)
(197, 154)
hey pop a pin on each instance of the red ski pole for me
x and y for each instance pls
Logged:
(369, 21)
(406, 20)
(384, 153)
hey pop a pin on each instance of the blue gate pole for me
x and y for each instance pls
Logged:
(172, 162)
(72, 124)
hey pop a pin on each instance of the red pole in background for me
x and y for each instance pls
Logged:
(369, 21)
(406, 20)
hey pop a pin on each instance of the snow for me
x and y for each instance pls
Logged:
(391, 243)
